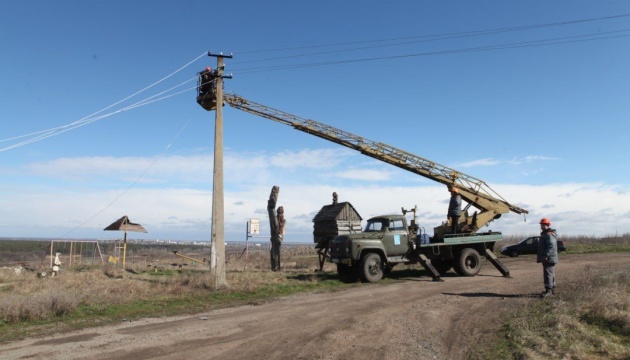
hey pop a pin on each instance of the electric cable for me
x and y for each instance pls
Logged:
(44, 134)
(89, 119)
(463, 33)
(533, 43)
(132, 184)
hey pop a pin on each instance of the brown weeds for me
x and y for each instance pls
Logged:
(589, 319)
(151, 275)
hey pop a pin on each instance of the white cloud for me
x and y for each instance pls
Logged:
(532, 158)
(364, 174)
(181, 209)
(189, 169)
(479, 162)
(312, 159)
(514, 161)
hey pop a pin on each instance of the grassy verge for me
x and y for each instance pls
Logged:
(589, 319)
(590, 248)
(42, 306)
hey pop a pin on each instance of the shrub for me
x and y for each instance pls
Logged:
(48, 304)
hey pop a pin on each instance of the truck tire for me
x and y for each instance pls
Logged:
(467, 262)
(371, 268)
(514, 253)
(347, 273)
(442, 266)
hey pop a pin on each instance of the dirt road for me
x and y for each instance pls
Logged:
(414, 319)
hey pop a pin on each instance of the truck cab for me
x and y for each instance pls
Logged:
(383, 243)
(393, 229)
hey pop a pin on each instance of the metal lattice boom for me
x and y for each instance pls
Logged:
(472, 189)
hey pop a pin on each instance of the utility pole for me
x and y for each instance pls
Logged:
(217, 260)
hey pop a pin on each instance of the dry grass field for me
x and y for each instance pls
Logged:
(150, 273)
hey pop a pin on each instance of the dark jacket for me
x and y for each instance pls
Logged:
(548, 246)
(455, 206)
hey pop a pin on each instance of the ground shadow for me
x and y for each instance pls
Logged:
(311, 277)
(494, 295)
(414, 274)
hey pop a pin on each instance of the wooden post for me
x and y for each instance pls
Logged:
(273, 225)
(124, 251)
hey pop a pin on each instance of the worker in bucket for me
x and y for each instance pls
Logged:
(56, 264)
(548, 256)
(454, 209)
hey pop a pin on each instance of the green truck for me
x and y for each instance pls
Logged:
(388, 240)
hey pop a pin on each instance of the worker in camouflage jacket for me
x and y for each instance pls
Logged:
(548, 256)
(454, 209)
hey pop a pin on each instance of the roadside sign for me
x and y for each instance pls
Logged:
(254, 226)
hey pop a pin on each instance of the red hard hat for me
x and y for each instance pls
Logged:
(545, 221)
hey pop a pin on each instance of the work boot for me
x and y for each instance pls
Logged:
(548, 292)
(553, 290)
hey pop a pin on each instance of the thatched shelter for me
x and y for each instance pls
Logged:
(124, 224)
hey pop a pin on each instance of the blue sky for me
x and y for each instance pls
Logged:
(539, 113)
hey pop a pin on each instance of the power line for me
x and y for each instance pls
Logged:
(438, 36)
(131, 185)
(44, 134)
(533, 43)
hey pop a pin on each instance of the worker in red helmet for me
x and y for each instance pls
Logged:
(548, 256)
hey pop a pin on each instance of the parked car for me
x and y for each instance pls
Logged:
(527, 246)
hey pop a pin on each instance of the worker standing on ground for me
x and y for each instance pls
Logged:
(56, 264)
(454, 209)
(548, 256)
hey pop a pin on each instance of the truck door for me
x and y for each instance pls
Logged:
(395, 240)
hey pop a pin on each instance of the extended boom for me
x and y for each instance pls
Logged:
(474, 191)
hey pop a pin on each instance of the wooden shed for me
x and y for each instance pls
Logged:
(335, 219)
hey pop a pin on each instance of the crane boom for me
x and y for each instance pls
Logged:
(473, 190)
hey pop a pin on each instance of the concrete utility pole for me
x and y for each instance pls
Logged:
(217, 261)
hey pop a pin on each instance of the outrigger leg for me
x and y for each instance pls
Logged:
(322, 254)
(426, 263)
(497, 264)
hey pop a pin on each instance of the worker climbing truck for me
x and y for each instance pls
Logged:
(389, 240)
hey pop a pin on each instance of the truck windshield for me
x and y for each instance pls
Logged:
(376, 225)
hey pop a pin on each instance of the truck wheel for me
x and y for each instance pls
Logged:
(372, 268)
(467, 262)
(514, 253)
(347, 273)
(442, 266)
